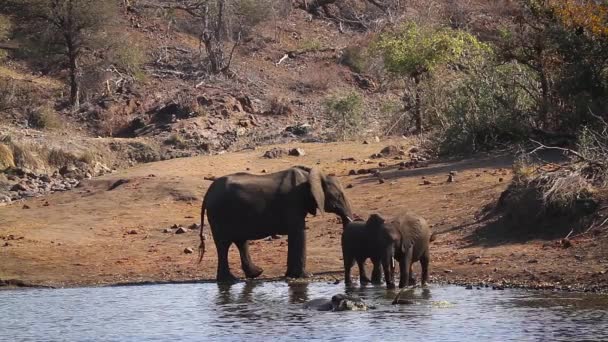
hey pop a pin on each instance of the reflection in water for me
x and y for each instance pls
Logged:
(274, 310)
(298, 292)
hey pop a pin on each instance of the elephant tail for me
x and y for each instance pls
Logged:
(433, 236)
(201, 247)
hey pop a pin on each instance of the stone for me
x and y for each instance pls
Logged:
(349, 186)
(167, 230)
(275, 153)
(469, 287)
(427, 182)
(382, 164)
(500, 179)
(376, 139)
(181, 230)
(362, 171)
(25, 206)
(19, 187)
(352, 172)
(210, 178)
(299, 130)
(297, 152)
(188, 250)
(390, 150)
(380, 181)
(264, 171)
(132, 232)
(450, 178)
(194, 226)
(414, 150)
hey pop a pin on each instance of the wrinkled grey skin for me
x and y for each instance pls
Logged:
(242, 207)
(368, 240)
(339, 302)
(406, 239)
(412, 239)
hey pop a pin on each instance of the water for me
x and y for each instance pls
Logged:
(271, 311)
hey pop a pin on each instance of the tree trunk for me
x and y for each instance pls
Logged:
(417, 105)
(544, 102)
(74, 84)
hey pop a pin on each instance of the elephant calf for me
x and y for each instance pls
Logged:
(406, 238)
(368, 240)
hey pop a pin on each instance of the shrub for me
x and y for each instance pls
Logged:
(486, 109)
(345, 112)
(5, 30)
(7, 159)
(354, 57)
(24, 155)
(176, 140)
(60, 158)
(279, 106)
(43, 117)
(310, 45)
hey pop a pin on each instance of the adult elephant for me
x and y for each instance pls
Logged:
(242, 207)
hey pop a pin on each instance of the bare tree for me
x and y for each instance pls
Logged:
(74, 24)
(212, 17)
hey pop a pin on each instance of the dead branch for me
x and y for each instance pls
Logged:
(542, 146)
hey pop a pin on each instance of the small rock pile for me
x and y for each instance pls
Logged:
(23, 183)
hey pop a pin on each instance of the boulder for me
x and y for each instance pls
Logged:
(298, 152)
(275, 153)
(181, 230)
(390, 151)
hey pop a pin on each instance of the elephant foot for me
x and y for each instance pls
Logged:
(390, 286)
(253, 272)
(298, 274)
(227, 278)
(364, 280)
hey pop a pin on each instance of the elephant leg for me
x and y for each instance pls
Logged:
(363, 279)
(348, 264)
(223, 269)
(251, 270)
(389, 272)
(296, 254)
(404, 268)
(424, 263)
(412, 277)
(376, 272)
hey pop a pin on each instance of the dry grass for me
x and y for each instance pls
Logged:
(43, 117)
(7, 159)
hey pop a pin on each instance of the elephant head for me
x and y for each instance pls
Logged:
(329, 195)
(386, 237)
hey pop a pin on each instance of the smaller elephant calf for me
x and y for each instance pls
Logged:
(405, 238)
(362, 240)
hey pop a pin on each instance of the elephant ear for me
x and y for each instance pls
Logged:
(315, 178)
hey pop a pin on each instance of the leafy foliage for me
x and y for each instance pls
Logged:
(345, 111)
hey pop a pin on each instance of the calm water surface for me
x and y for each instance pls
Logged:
(272, 311)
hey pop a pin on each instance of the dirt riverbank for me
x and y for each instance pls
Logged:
(95, 236)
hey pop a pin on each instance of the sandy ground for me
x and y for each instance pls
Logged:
(92, 236)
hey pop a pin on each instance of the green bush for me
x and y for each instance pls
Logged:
(345, 111)
(487, 109)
